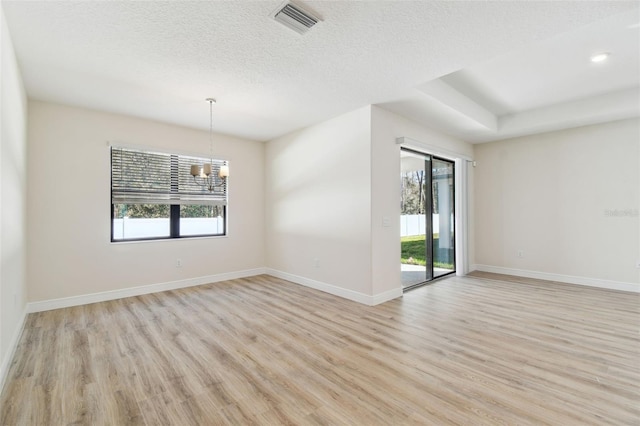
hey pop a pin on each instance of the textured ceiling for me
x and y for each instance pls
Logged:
(160, 60)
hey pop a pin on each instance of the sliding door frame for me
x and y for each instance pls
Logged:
(428, 168)
(463, 196)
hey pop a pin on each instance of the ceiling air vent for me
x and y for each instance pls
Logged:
(294, 17)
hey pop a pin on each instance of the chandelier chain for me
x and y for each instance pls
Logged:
(211, 129)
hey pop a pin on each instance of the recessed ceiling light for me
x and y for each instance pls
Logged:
(600, 57)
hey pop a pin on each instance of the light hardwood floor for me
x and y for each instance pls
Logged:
(465, 350)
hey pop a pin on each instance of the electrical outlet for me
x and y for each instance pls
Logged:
(178, 263)
(638, 264)
(316, 262)
(520, 254)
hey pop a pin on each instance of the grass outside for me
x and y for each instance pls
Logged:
(413, 252)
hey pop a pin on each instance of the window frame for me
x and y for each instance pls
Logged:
(174, 209)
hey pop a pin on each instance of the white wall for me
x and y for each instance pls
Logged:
(328, 189)
(547, 195)
(318, 192)
(69, 248)
(13, 177)
(385, 178)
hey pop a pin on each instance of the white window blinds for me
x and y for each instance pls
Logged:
(142, 177)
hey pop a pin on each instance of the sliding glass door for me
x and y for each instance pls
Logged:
(443, 213)
(427, 228)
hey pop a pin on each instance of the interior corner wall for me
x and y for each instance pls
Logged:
(567, 200)
(13, 177)
(69, 248)
(318, 201)
(385, 160)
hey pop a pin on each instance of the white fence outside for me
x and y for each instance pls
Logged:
(414, 224)
(147, 228)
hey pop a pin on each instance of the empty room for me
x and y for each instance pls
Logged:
(320, 212)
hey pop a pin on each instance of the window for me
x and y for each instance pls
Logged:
(154, 196)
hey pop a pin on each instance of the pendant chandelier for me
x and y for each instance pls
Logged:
(204, 175)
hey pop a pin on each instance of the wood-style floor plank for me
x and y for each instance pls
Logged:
(481, 349)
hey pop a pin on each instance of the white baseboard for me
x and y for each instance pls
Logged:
(11, 350)
(355, 296)
(569, 279)
(386, 296)
(85, 299)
